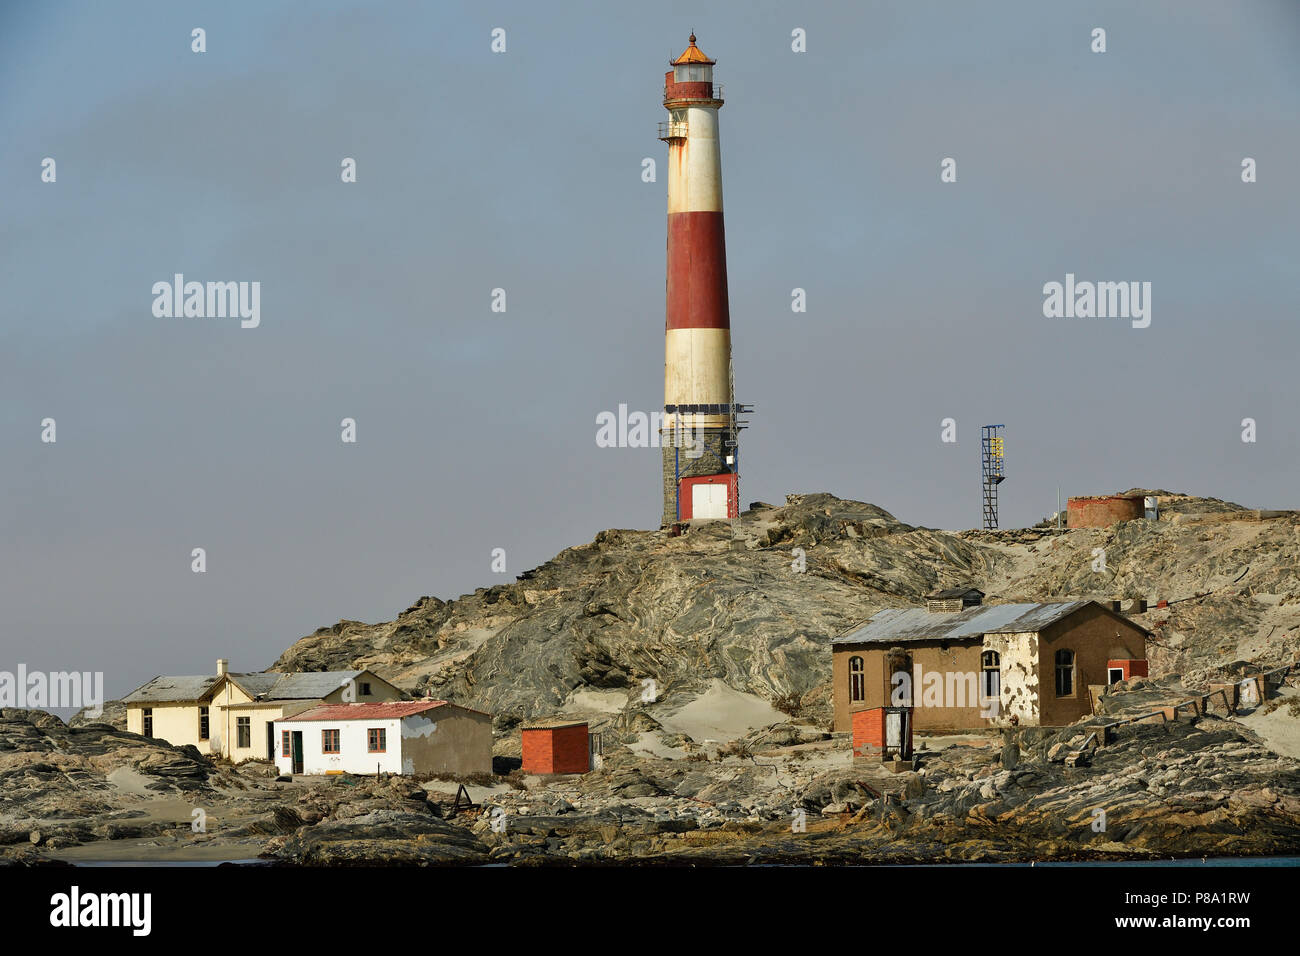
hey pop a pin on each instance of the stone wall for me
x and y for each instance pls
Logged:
(712, 460)
(1102, 511)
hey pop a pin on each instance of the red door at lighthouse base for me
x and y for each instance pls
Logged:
(708, 496)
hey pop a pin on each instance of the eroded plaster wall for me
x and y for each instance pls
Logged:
(447, 739)
(1018, 700)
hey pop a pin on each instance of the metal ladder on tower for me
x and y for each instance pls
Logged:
(992, 448)
(730, 446)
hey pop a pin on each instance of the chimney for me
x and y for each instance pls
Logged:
(221, 666)
(953, 600)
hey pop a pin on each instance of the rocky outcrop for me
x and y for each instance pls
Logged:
(737, 617)
(755, 602)
(380, 837)
(62, 785)
(112, 713)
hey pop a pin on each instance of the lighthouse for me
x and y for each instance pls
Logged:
(701, 457)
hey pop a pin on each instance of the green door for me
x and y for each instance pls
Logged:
(297, 751)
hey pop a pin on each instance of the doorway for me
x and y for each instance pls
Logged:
(1114, 675)
(709, 501)
(898, 691)
(296, 747)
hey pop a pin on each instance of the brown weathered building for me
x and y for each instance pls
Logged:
(1102, 511)
(984, 665)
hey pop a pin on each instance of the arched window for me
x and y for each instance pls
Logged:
(857, 680)
(991, 665)
(1064, 673)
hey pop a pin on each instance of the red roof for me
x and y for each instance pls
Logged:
(386, 710)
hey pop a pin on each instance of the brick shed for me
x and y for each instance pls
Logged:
(1121, 669)
(869, 731)
(557, 746)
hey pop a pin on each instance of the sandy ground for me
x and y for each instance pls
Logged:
(649, 743)
(176, 846)
(1278, 729)
(720, 714)
(127, 780)
(179, 845)
(590, 699)
(446, 789)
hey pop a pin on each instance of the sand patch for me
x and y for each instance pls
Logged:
(447, 789)
(592, 700)
(1279, 731)
(649, 743)
(127, 780)
(721, 713)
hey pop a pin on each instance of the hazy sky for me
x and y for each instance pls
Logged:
(522, 170)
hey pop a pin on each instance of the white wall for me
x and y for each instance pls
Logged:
(353, 757)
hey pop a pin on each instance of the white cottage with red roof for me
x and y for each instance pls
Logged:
(399, 736)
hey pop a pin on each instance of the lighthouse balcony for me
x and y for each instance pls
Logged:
(705, 92)
(672, 130)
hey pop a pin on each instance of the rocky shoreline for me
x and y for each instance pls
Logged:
(727, 760)
(785, 795)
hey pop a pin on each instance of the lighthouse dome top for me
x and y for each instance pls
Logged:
(693, 54)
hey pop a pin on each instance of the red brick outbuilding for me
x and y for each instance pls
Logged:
(869, 732)
(556, 747)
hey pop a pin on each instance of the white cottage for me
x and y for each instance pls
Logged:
(401, 736)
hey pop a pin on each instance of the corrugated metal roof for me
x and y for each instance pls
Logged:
(257, 683)
(262, 685)
(385, 710)
(917, 624)
(171, 689)
(308, 685)
(557, 723)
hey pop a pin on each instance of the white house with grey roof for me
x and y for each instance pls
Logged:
(232, 715)
(969, 665)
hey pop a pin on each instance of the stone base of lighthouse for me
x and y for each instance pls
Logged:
(697, 481)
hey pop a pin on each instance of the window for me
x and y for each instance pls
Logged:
(203, 723)
(329, 741)
(991, 666)
(286, 744)
(148, 722)
(365, 688)
(692, 73)
(1064, 673)
(243, 731)
(857, 680)
(378, 739)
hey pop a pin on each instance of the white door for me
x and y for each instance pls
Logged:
(893, 729)
(708, 501)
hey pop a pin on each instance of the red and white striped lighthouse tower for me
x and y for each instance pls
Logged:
(700, 452)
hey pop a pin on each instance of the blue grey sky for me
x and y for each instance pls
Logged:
(522, 170)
